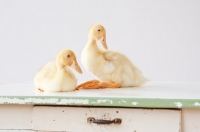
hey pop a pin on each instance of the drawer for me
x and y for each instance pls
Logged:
(49, 118)
(15, 117)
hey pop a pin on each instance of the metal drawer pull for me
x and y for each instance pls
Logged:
(99, 121)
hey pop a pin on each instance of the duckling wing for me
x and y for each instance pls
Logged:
(116, 58)
(112, 61)
(111, 55)
(47, 71)
(123, 71)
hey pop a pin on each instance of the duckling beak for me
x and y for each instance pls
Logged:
(103, 42)
(76, 66)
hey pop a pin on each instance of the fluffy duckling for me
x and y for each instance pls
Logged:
(113, 69)
(56, 76)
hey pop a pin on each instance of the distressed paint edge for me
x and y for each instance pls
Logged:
(103, 101)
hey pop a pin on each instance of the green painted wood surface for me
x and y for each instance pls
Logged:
(151, 95)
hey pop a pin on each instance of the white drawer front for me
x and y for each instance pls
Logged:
(15, 117)
(48, 118)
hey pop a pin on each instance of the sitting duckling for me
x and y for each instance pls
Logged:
(56, 76)
(112, 69)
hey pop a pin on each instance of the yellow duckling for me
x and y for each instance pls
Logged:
(113, 69)
(56, 76)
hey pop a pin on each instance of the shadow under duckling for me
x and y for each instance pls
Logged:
(56, 76)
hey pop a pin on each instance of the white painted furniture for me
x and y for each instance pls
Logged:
(155, 107)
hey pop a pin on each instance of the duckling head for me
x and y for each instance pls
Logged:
(68, 58)
(98, 32)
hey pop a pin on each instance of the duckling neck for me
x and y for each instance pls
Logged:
(92, 44)
(63, 70)
(60, 67)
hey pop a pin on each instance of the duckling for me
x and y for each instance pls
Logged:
(56, 76)
(113, 69)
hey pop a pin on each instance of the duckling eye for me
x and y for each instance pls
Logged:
(98, 30)
(68, 56)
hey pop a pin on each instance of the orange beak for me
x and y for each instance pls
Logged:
(103, 42)
(76, 66)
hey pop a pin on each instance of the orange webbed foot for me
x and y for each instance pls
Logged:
(93, 84)
(109, 85)
(40, 90)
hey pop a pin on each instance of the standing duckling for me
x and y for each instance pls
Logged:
(56, 76)
(112, 69)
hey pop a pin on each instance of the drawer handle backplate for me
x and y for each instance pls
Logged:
(100, 121)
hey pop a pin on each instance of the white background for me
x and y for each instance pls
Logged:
(161, 37)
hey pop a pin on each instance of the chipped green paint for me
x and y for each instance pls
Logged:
(97, 101)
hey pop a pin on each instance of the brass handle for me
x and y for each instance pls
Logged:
(100, 121)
